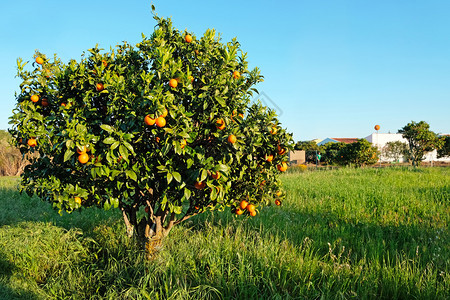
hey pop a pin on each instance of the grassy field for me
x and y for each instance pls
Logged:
(340, 234)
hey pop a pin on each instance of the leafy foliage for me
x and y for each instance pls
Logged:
(358, 154)
(177, 163)
(395, 150)
(444, 151)
(420, 139)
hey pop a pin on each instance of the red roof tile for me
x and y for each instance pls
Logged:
(346, 140)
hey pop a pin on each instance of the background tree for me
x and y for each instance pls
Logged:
(444, 151)
(420, 139)
(11, 162)
(163, 131)
(395, 150)
(360, 153)
(331, 153)
(310, 148)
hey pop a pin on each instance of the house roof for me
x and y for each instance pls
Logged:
(346, 140)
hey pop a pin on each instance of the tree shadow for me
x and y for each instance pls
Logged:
(6, 292)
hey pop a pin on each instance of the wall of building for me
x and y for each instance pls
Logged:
(379, 140)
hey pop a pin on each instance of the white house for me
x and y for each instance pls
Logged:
(379, 140)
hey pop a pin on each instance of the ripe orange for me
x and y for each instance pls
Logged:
(157, 139)
(282, 167)
(83, 158)
(377, 127)
(216, 175)
(191, 78)
(34, 98)
(269, 158)
(100, 87)
(105, 64)
(279, 193)
(199, 185)
(239, 211)
(160, 122)
(281, 151)
(236, 74)
(253, 213)
(173, 83)
(243, 204)
(81, 150)
(274, 130)
(63, 104)
(220, 124)
(251, 208)
(241, 115)
(39, 60)
(165, 112)
(183, 143)
(32, 142)
(149, 121)
(277, 202)
(232, 138)
(188, 38)
(78, 200)
(44, 102)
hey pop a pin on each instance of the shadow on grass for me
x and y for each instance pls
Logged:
(6, 292)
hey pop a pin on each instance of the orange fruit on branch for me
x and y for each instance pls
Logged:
(269, 158)
(200, 185)
(83, 158)
(77, 200)
(236, 74)
(165, 113)
(188, 38)
(32, 142)
(232, 138)
(99, 87)
(81, 150)
(39, 60)
(239, 211)
(277, 202)
(283, 167)
(251, 208)
(34, 98)
(160, 122)
(220, 124)
(253, 213)
(216, 175)
(243, 204)
(173, 83)
(44, 102)
(149, 121)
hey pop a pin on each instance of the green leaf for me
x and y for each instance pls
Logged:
(187, 193)
(124, 152)
(178, 209)
(189, 163)
(131, 174)
(169, 178)
(177, 176)
(107, 128)
(109, 140)
(68, 154)
(204, 174)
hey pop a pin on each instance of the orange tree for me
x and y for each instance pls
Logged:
(163, 130)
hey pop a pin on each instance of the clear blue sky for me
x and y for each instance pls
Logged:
(333, 68)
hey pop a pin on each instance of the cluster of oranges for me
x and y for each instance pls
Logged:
(159, 121)
(83, 157)
(245, 206)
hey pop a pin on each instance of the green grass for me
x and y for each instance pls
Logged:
(340, 234)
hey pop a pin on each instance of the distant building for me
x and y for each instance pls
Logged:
(297, 157)
(380, 140)
(337, 140)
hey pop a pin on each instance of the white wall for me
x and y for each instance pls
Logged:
(379, 140)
